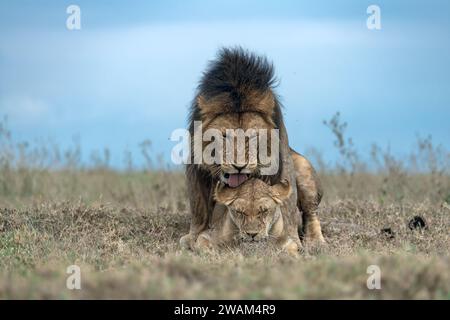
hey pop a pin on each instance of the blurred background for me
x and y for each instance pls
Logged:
(125, 80)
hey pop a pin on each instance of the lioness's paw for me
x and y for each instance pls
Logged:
(292, 248)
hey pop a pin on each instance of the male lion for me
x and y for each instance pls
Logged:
(253, 214)
(237, 92)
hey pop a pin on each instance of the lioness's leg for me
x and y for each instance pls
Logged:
(200, 200)
(309, 193)
(290, 246)
(221, 232)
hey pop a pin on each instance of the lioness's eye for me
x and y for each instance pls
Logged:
(264, 211)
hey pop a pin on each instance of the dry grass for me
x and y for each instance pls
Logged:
(122, 229)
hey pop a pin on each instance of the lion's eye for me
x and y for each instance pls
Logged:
(264, 210)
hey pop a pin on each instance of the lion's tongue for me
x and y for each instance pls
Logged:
(236, 179)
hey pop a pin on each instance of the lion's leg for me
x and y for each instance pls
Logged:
(309, 195)
(199, 187)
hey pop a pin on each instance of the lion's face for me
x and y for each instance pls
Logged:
(242, 166)
(254, 206)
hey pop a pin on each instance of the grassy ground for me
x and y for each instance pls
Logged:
(122, 230)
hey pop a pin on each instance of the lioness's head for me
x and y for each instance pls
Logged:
(254, 206)
(237, 92)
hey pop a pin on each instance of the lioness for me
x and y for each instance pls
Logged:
(253, 213)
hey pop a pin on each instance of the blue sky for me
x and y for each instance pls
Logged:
(130, 73)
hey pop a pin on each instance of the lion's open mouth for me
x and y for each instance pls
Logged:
(236, 179)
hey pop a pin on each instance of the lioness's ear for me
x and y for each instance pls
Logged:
(223, 194)
(281, 191)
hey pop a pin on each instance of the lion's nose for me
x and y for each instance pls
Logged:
(239, 167)
(252, 234)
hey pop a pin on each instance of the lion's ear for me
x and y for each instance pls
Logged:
(206, 106)
(262, 102)
(201, 102)
(214, 105)
(223, 194)
(281, 191)
(266, 103)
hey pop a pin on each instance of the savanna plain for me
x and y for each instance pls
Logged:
(121, 227)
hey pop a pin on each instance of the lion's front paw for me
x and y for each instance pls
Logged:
(204, 242)
(187, 242)
(313, 233)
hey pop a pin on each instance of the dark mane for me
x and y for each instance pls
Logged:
(236, 72)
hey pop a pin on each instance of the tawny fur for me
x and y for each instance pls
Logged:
(237, 92)
(252, 212)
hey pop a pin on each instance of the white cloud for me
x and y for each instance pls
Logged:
(24, 108)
